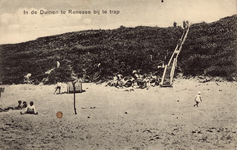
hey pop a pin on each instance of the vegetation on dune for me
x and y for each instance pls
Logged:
(210, 49)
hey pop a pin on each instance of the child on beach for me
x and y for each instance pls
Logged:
(30, 109)
(198, 99)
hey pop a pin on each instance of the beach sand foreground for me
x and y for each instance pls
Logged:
(110, 118)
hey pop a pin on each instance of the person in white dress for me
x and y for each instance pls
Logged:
(198, 99)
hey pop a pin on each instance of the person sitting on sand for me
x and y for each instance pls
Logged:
(1, 110)
(30, 109)
(115, 81)
(12, 108)
(198, 99)
(128, 81)
(148, 82)
(19, 105)
(24, 104)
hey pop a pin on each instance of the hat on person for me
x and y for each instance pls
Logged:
(199, 92)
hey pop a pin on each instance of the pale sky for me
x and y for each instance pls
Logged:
(15, 26)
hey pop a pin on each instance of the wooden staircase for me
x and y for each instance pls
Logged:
(167, 78)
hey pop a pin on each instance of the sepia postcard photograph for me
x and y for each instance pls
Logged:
(118, 75)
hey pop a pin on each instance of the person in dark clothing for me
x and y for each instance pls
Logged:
(19, 105)
(184, 25)
(24, 104)
(13, 108)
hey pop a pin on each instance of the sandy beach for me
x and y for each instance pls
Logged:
(116, 119)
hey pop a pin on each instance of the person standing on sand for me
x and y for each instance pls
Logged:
(59, 84)
(198, 99)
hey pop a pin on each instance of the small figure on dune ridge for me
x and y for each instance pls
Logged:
(30, 109)
(198, 99)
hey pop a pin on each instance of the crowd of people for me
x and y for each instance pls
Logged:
(136, 80)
